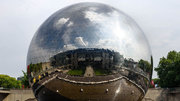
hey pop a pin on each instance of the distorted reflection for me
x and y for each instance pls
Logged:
(89, 44)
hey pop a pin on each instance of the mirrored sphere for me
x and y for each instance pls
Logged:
(89, 52)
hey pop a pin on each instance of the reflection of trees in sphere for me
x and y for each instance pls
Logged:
(87, 49)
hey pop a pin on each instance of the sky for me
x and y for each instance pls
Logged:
(20, 19)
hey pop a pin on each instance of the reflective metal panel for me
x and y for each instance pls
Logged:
(89, 44)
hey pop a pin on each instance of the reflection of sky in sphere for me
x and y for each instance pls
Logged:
(90, 25)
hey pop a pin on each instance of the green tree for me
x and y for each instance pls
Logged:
(169, 70)
(24, 80)
(145, 65)
(35, 67)
(9, 82)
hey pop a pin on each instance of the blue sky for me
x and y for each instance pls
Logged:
(19, 20)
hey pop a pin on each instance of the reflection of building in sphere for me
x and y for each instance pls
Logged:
(80, 58)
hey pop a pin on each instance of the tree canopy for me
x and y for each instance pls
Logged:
(9, 82)
(168, 70)
(145, 65)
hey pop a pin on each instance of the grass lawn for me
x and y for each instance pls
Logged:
(75, 72)
(99, 72)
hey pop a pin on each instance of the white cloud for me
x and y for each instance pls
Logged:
(69, 47)
(70, 24)
(80, 41)
(94, 16)
(61, 22)
(93, 8)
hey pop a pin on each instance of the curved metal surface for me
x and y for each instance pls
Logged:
(90, 41)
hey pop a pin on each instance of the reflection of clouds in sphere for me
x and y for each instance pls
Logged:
(69, 47)
(70, 24)
(79, 41)
(91, 26)
(61, 22)
(94, 16)
(123, 38)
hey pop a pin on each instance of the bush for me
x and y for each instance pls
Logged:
(9, 82)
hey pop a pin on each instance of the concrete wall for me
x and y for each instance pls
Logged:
(20, 95)
(153, 94)
(160, 94)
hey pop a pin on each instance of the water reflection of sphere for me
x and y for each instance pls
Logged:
(90, 44)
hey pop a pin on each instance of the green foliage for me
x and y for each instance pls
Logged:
(9, 82)
(145, 65)
(35, 67)
(99, 72)
(169, 70)
(24, 80)
(76, 72)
